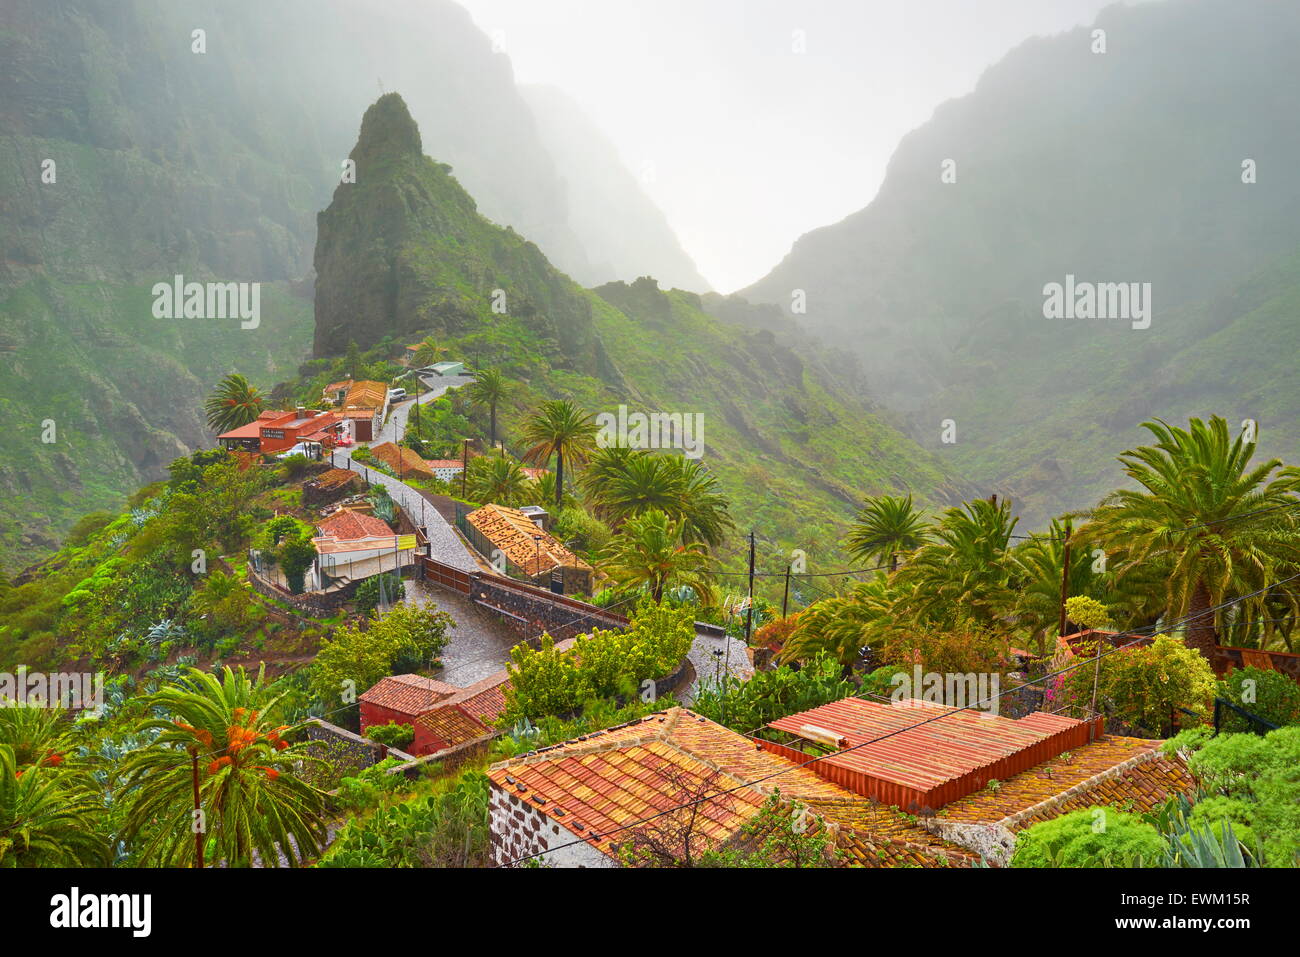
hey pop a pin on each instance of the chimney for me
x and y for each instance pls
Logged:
(301, 412)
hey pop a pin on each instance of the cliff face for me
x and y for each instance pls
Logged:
(1118, 167)
(212, 165)
(404, 250)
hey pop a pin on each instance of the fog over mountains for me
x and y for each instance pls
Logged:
(1160, 161)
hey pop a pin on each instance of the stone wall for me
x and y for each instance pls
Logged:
(530, 612)
(311, 604)
(519, 829)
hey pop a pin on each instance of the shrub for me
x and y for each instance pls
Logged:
(606, 664)
(747, 705)
(393, 735)
(1266, 694)
(1096, 837)
(1258, 777)
(774, 634)
(1142, 685)
(964, 649)
(1088, 612)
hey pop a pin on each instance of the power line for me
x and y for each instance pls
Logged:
(890, 734)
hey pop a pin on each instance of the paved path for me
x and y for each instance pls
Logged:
(444, 545)
(437, 386)
(480, 642)
(709, 666)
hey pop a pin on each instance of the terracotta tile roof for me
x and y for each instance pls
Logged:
(334, 478)
(1115, 771)
(925, 765)
(337, 386)
(253, 430)
(346, 525)
(444, 463)
(365, 396)
(598, 782)
(401, 459)
(451, 726)
(513, 532)
(408, 694)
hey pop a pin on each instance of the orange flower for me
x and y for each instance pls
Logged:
(271, 773)
(281, 745)
(238, 738)
(218, 764)
(54, 760)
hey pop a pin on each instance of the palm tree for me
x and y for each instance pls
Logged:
(1218, 527)
(489, 389)
(33, 733)
(622, 482)
(964, 573)
(49, 816)
(561, 429)
(649, 555)
(429, 352)
(496, 478)
(841, 625)
(703, 507)
(887, 526)
(233, 403)
(253, 800)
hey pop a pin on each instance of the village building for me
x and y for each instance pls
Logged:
(443, 716)
(529, 550)
(273, 432)
(579, 803)
(352, 545)
(403, 462)
(364, 405)
(445, 470)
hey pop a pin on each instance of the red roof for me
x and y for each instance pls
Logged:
(919, 765)
(450, 726)
(253, 430)
(411, 695)
(346, 525)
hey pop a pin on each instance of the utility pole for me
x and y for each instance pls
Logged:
(1065, 577)
(749, 610)
(785, 600)
(197, 824)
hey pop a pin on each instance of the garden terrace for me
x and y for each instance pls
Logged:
(929, 754)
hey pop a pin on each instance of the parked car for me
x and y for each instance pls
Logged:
(308, 449)
(396, 395)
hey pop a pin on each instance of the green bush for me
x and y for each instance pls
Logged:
(1143, 685)
(605, 665)
(393, 735)
(1260, 778)
(1096, 837)
(1266, 694)
(768, 695)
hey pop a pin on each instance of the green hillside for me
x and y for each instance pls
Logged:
(403, 253)
(1116, 167)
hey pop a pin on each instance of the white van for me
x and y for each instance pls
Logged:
(396, 395)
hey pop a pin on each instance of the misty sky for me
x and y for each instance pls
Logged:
(744, 144)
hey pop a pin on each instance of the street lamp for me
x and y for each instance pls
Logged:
(537, 567)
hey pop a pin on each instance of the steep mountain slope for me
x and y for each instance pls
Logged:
(403, 252)
(1123, 166)
(211, 165)
(625, 234)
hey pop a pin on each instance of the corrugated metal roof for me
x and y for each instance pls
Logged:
(926, 765)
